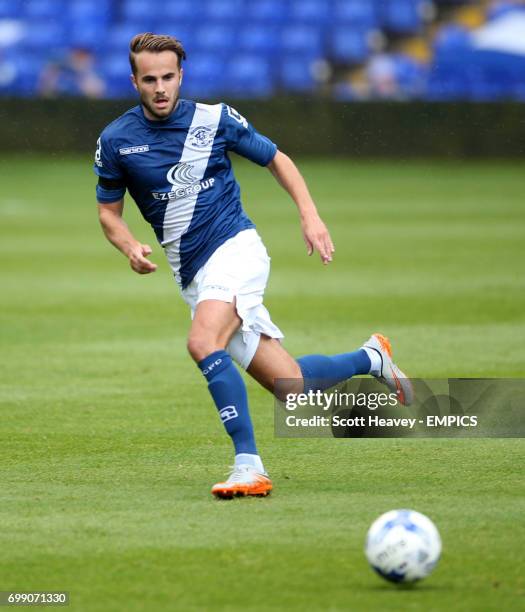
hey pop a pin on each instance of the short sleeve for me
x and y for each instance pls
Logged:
(111, 187)
(242, 138)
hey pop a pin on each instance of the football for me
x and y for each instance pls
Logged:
(403, 546)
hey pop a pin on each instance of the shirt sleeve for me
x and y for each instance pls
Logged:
(242, 138)
(109, 172)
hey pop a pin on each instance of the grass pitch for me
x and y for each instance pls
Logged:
(110, 442)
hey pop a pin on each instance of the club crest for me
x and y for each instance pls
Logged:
(201, 136)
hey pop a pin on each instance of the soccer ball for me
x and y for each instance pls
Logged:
(403, 546)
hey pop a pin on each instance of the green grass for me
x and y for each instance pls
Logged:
(109, 441)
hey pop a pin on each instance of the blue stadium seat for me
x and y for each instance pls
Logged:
(28, 67)
(296, 74)
(219, 39)
(184, 33)
(220, 11)
(486, 87)
(45, 9)
(249, 76)
(182, 12)
(362, 13)
(401, 16)
(448, 79)
(115, 70)
(90, 35)
(349, 44)
(410, 75)
(87, 12)
(266, 11)
(141, 25)
(311, 11)
(445, 90)
(454, 3)
(8, 77)
(203, 77)
(260, 38)
(11, 9)
(451, 38)
(179, 12)
(504, 7)
(138, 10)
(45, 36)
(116, 66)
(120, 35)
(248, 47)
(496, 74)
(304, 39)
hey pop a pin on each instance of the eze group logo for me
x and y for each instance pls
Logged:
(184, 182)
(181, 174)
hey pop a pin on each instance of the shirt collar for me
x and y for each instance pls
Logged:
(170, 121)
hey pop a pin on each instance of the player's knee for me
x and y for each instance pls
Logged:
(200, 347)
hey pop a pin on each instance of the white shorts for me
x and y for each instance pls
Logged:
(239, 270)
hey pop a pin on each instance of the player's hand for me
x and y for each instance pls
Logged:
(138, 259)
(317, 238)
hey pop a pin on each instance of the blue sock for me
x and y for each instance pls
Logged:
(321, 372)
(229, 394)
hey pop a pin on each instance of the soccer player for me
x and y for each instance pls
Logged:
(171, 155)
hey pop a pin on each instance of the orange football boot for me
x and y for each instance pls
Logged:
(390, 374)
(243, 481)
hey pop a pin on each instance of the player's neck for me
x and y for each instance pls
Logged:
(151, 117)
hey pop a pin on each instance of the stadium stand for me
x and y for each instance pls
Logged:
(393, 49)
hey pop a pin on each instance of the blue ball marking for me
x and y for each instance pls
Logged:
(392, 576)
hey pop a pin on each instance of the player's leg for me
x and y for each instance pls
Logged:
(374, 358)
(272, 362)
(213, 324)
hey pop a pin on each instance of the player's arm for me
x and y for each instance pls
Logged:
(242, 138)
(315, 233)
(118, 233)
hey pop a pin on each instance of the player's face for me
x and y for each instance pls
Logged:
(157, 80)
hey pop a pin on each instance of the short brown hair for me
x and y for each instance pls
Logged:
(154, 43)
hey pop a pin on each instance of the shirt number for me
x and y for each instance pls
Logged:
(98, 154)
(237, 116)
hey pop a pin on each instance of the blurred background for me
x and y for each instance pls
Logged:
(341, 49)
(374, 77)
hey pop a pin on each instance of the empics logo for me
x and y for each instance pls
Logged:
(184, 183)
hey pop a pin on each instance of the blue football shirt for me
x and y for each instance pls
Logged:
(179, 174)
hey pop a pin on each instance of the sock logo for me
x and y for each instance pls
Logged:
(211, 366)
(228, 413)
